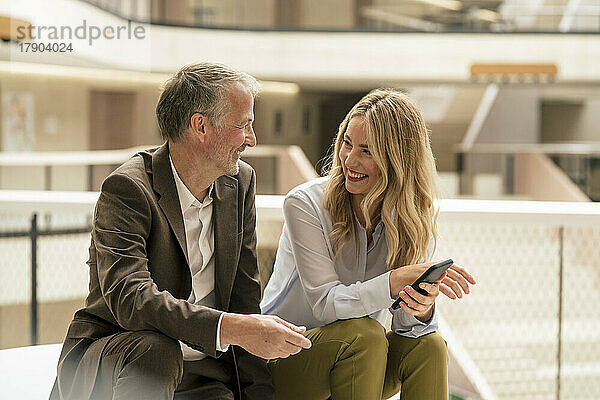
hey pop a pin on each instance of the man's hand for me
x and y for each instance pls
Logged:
(265, 336)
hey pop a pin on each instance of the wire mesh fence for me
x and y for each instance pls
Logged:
(509, 323)
(531, 324)
(61, 254)
(580, 369)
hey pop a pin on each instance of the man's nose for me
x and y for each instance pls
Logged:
(250, 138)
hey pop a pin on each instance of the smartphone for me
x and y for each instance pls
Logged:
(432, 274)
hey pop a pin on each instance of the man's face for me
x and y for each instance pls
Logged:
(236, 132)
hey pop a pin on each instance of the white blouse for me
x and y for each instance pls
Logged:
(309, 287)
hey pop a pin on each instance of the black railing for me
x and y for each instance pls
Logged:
(34, 233)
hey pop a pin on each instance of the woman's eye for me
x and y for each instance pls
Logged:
(367, 152)
(347, 143)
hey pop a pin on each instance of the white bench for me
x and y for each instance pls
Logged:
(28, 372)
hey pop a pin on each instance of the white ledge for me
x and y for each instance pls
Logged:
(270, 207)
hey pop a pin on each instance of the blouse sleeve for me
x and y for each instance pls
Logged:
(407, 325)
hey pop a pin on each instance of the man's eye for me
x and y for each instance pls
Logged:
(347, 143)
(367, 152)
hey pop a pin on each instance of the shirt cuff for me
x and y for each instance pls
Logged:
(375, 293)
(409, 326)
(218, 344)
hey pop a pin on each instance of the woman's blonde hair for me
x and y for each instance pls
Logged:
(398, 140)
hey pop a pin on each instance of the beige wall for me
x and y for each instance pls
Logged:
(66, 101)
(255, 13)
(291, 107)
(450, 130)
(575, 120)
(61, 122)
(444, 136)
(173, 11)
(591, 121)
(514, 117)
(331, 14)
(62, 100)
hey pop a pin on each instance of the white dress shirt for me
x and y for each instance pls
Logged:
(312, 288)
(200, 239)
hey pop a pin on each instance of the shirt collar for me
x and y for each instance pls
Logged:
(378, 227)
(186, 198)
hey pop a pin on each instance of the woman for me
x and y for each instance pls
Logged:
(352, 242)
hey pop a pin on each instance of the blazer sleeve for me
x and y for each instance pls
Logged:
(122, 222)
(255, 378)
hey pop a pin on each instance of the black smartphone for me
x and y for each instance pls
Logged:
(432, 274)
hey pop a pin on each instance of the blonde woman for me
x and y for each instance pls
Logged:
(353, 242)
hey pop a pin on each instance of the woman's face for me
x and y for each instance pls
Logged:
(358, 164)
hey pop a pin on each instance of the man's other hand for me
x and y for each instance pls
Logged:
(265, 336)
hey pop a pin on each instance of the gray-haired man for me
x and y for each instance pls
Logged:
(174, 290)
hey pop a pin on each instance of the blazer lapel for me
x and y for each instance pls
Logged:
(164, 185)
(225, 220)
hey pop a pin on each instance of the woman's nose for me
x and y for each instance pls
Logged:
(351, 159)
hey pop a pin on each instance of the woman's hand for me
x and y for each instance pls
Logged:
(456, 281)
(453, 283)
(417, 304)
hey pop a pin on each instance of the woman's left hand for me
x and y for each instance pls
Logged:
(421, 306)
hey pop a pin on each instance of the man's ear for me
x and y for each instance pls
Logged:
(198, 125)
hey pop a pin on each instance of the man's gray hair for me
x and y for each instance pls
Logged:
(198, 88)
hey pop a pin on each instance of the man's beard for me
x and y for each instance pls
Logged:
(229, 164)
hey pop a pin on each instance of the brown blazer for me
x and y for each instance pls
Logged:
(140, 278)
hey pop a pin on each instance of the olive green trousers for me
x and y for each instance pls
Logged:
(355, 360)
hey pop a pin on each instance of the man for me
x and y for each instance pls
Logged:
(173, 271)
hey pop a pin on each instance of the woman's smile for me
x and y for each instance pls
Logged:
(355, 177)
